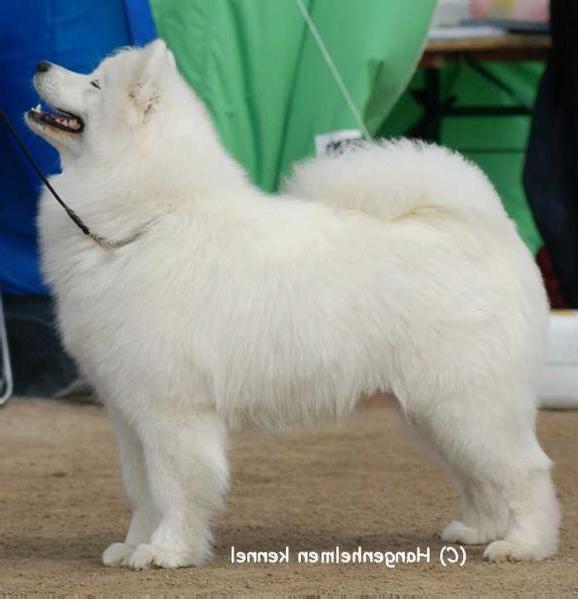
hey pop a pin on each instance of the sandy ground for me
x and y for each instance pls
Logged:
(360, 482)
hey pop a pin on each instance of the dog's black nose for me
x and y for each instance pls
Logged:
(42, 67)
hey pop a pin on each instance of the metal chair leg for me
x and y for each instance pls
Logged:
(6, 380)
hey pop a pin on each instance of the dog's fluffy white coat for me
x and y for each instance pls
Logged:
(390, 268)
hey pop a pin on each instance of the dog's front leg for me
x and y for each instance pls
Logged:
(145, 516)
(187, 473)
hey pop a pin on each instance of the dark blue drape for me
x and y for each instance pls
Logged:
(75, 35)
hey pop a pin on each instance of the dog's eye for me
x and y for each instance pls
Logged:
(95, 83)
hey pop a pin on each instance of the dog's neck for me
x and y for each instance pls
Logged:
(125, 193)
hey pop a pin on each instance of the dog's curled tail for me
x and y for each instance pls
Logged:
(397, 179)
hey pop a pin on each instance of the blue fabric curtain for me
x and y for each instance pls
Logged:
(75, 35)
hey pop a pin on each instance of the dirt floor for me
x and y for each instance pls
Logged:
(358, 483)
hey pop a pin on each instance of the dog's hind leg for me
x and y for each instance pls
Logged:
(484, 512)
(187, 472)
(145, 516)
(503, 475)
(533, 508)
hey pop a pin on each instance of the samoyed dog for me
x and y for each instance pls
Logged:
(391, 268)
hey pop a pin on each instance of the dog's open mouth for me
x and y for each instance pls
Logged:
(59, 119)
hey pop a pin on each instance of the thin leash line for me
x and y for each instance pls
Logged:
(77, 220)
(101, 241)
(333, 69)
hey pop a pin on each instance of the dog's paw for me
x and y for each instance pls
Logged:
(456, 532)
(501, 551)
(117, 554)
(148, 556)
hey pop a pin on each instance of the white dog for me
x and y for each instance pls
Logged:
(391, 268)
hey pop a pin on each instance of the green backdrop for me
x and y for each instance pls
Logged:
(262, 76)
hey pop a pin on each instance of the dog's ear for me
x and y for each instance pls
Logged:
(145, 90)
(158, 50)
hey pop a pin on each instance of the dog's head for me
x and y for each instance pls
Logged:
(107, 109)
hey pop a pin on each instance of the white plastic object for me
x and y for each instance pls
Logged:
(558, 383)
(449, 13)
